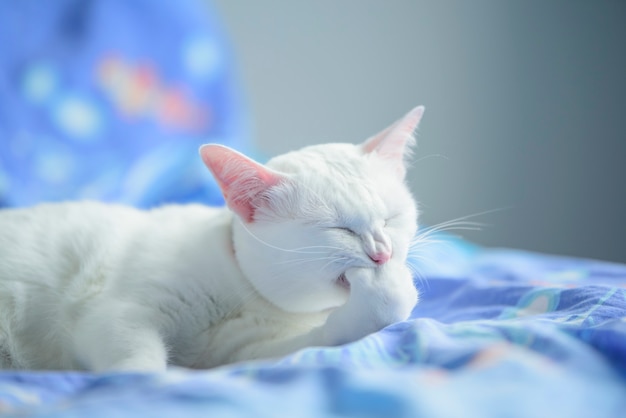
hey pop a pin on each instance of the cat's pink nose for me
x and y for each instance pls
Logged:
(381, 257)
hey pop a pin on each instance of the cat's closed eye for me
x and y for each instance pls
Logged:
(344, 229)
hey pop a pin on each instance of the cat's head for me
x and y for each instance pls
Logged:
(307, 216)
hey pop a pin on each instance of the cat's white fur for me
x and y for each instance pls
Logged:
(311, 252)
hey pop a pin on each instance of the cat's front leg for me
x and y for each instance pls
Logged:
(114, 339)
(378, 298)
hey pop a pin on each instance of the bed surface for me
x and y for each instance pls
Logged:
(497, 333)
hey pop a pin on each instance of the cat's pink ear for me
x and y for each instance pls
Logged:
(241, 179)
(395, 142)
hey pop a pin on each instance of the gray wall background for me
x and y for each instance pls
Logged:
(525, 104)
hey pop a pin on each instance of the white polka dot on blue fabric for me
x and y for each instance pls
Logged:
(39, 83)
(78, 118)
(202, 58)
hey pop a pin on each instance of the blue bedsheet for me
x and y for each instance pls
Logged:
(497, 333)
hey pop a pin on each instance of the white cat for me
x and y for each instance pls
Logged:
(312, 252)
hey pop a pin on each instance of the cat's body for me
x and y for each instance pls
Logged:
(92, 274)
(311, 252)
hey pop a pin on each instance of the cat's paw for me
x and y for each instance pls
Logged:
(384, 295)
(378, 298)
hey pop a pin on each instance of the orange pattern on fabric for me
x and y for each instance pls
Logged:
(138, 91)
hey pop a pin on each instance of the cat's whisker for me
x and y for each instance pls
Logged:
(429, 237)
(340, 260)
(425, 235)
(418, 276)
(335, 260)
(460, 223)
(266, 243)
(425, 157)
(450, 225)
(425, 241)
(300, 250)
(298, 261)
(327, 247)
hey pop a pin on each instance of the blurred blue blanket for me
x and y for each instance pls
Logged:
(111, 99)
(497, 333)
